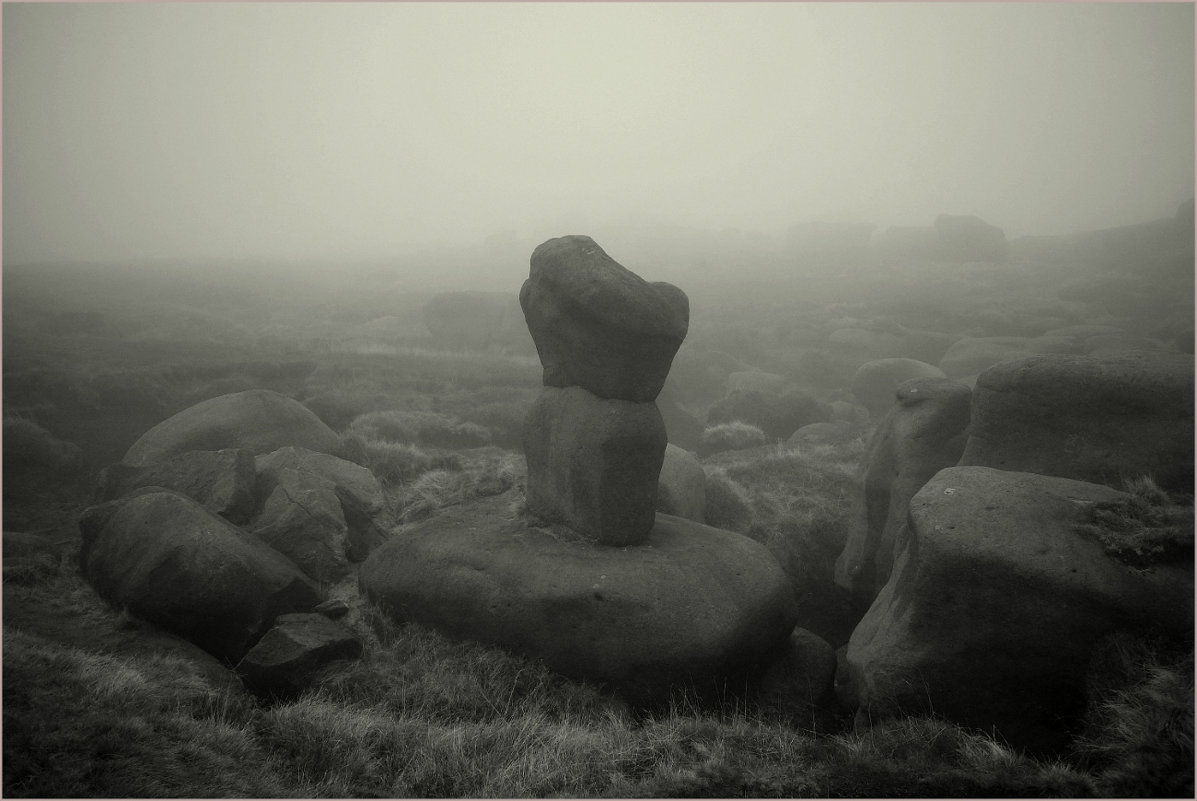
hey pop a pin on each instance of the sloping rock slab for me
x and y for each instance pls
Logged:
(1099, 419)
(356, 489)
(682, 487)
(171, 562)
(597, 324)
(302, 520)
(221, 481)
(289, 657)
(996, 603)
(923, 433)
(257, 420)
(692, 605)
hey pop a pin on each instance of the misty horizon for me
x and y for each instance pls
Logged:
(360, 131)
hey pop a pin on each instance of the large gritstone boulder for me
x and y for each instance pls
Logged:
(318, 509)
(598, 325)
(997, 601)
(257, 420)
(593, 463)
(693, 605)
(1100, 419)
(924, 433)
(170, 561)
(874, 384)
(224, 482)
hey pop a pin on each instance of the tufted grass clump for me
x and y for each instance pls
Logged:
(1138, 736)
(396, 463)
(1144, 529)
(482, 474)
(420, 428)
(731, 436)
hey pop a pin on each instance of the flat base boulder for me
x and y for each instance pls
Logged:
(691, 606)
(997, 602)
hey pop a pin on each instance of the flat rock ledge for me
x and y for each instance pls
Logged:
(692, 606)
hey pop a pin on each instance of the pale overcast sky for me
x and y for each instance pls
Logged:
(329, 130)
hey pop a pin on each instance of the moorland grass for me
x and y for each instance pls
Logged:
(423, 716)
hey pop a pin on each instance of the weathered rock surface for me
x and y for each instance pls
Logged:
(778, 416)
(171, 562)
(358, 493)
(924, 433)
(594, 463)
(302, 520)
(800, 680)
(996, 602)
(291, 655)
(692, 605)
(682, 486)
(223, 482)
(1099, 419)
(256, 420)
(875, 382)
(599, 326)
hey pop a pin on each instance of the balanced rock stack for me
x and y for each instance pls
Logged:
(591, 580)
(594, 439)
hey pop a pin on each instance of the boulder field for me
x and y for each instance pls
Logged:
(692, 605)
(996, 603)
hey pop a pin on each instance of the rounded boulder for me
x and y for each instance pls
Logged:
(257, 420)
(693, 605)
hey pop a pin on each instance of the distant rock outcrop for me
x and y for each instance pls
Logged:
(171, 562)
(776, 415)
(1094, 418)
(874, 384)
(969, 238)
(475, 320)
(257, 420)
(996, 603)
(924, 433)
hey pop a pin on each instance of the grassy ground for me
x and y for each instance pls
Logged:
(420, 715)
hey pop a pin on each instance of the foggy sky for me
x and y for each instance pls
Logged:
(332, 130)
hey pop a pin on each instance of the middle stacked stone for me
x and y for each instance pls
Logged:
(594, 439)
